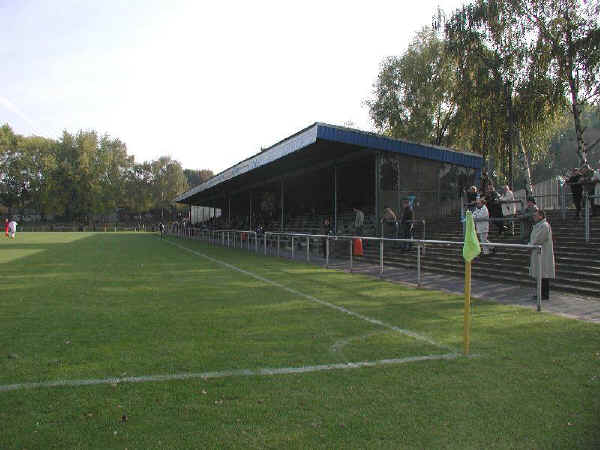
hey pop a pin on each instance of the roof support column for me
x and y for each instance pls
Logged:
(398, 199)
(228, 212)
(335, 186)
(281, 205)
(250, 217)
(377, 193)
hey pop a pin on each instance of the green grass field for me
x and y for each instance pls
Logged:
(82, 307)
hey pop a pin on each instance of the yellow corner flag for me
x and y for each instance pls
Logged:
(471, 247)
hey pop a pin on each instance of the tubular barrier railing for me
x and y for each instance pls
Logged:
(230, 238)
(587, 203)
(399, 224)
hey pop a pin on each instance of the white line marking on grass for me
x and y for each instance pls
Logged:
(314, 299)
(225, 373)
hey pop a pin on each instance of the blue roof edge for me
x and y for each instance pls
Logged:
(333, 133)
(379, 142)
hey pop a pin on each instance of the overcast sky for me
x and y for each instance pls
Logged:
(207, 83)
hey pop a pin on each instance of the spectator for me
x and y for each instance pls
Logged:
(161, 227)
(574, 181)
(407, 223)
(326, 230)
(471, 198)
(6, 227)
(484, 181)
(359, 221)
(509, 208)
(527, 219)
(481, 217)
(389, 223)
(492, 200)
(541, 234)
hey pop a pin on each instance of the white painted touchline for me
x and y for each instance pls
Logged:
(225, 373)
(314, 299)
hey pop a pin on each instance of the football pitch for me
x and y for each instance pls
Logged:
(124, 340)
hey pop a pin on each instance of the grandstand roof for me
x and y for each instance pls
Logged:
(320, 142)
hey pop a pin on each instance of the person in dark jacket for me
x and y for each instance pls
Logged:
(407, 223)
(492, 200)
(326, 230)
(527, 219)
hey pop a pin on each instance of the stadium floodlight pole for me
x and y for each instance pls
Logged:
(278, 244)
(293, 246)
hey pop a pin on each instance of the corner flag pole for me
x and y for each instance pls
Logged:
(467, 316)
(471, 249)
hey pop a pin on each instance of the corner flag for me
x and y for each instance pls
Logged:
(471, 247)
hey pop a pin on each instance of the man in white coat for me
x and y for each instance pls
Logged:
(541, 234)
(509, 209)
(481, 217)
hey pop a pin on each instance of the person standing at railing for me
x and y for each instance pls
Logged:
(574, 181)
(390, 223)
(326, 230)
(509, 208)
(359, 223)
(527, 219)
(484, 181)
(471, 198)
(161, 227)
(6, 227)
(541, 234)
(492, 199)
(407, 223)
(481, 217)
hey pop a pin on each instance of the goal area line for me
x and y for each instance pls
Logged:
(226, 373)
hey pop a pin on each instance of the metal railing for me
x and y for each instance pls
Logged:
(587, 203)
(271, 245)
(399, 225)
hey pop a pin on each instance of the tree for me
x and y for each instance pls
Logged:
(413, 96)
(168, 181)
(570, 30)
(12, 186)
(112, 166)
(197, 177)
(493, 43)
(39, 163)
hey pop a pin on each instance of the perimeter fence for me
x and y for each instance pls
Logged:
(335, 251)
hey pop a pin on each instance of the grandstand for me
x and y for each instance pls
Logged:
(325, 170)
